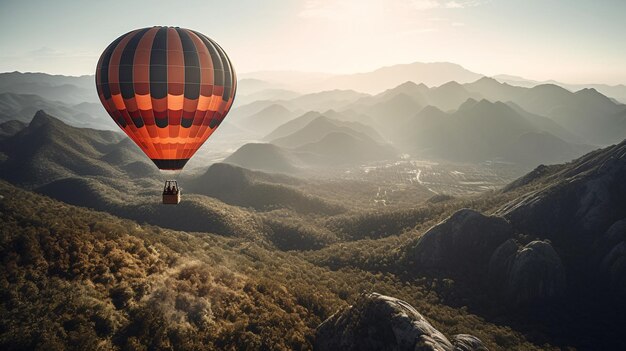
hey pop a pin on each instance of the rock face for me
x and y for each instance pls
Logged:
(465, 240)
(612, 251)
(576, 201)
(465, 342)
(378, 322)
(614, 267)
(581, 208)
(533, 272)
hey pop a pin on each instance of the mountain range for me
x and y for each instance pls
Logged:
(547, 250)
(22, 107)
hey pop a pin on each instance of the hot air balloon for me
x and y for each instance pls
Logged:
(168, 89)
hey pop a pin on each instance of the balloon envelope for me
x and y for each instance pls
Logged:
(168, 89)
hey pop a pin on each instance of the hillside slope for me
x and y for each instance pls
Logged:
(74, 278)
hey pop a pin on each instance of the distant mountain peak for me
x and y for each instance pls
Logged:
(408, 84)
(550, 87)
(451, 84)
(488, 81)
(593, 93)
(485, 104)
(42, 118)
(408, 88)
(275, 108)
(321, 120)
(468, 104)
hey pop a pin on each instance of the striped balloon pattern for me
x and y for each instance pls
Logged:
(168, 89)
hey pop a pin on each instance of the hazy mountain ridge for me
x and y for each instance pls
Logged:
(23, 106)
(617, 92)
(321, 126)
(69, 89)
(481, 130)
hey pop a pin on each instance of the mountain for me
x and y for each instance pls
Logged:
(265, 120)
(340, 148)
(322, 126)
(48, 149)
(408, 98)
(464, 241)
(23, 106)
(481, 130)
(493, 90)
(586, 112)
(292, 126)
(329, 99)
(319, 101)
(391, 112)
(588, 188)
(408, 88)
(261, 191)
(431, 74)
(580, 208)
(68, 89)
(300, 122)
(449, 96)
(264, 157)
(485, 250)
(617, 92)
(137, 202)
(10, 128)
(542, 147)
(548, 125)
(335, 148)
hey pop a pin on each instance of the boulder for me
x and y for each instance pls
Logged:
(616, 232)
(378, 322)
(526, 274)
(464, 241)
(614, 267)
(466, 342)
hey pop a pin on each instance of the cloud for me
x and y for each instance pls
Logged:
(45, 52)
(422, 5)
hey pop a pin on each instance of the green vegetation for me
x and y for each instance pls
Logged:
(73, 278)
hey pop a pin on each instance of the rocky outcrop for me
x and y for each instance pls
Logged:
(378, 322)
(465, 240)
(616, 233)
(575, 202)
(526, 274)
(466, 342)
(613, 265)
(612, 256)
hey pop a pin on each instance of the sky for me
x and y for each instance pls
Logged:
(571, 41)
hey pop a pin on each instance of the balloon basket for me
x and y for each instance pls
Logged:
(171, 193)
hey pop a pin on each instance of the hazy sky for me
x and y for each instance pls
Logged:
(574, 41)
